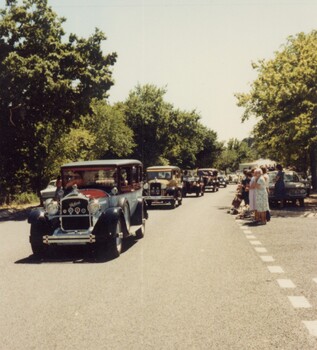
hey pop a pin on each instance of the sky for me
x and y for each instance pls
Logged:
(199, 50)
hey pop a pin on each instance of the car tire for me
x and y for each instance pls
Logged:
(301, 202)
(38, 248)
(173, 203)
(115, 245)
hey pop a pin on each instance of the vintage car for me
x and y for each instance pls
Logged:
(210, 178)
(163, 185)
(222, 181)
(295, 190)
(192, 183)
(48, 192)
(99, 204)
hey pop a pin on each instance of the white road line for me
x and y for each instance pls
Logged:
(267, 258)
(260, 249)
(285, 283)
(250, 237)
(299, 302)
(255, 242)
(247, 231)
(312, 327)
(275, 269)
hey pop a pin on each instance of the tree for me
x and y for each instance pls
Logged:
(284, 98)
(49, 82)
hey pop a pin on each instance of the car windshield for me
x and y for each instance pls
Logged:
(89, 177)
(151, 175)
(288, 177)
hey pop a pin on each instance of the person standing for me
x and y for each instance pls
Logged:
(261, 196)
(279, 187)
(252, 194)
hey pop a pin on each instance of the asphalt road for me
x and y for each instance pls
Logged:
(197, 280)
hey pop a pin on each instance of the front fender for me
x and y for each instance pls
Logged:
(37, 215)
(107, 223)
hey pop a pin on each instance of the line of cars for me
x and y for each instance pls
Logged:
(100, 203)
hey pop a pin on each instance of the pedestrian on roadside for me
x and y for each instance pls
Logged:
(279, 187)
(267, 185)
(252, 194)
(261, 197)
(245, 187)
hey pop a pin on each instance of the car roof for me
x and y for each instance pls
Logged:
(105, 162)
(213, 169)
(163, 167)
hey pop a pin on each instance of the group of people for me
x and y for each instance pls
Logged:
(254, 191)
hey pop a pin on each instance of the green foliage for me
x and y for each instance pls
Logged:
(25, 198)
(47, 83)
(163, 134)
(234, 153)
(284, 98)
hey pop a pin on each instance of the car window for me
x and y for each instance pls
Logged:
(151, 175)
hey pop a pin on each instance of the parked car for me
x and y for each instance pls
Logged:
(48, 192)
(100, 203)
(307, 182)
(192, 184)
(233, 178)
(295, 190)
(222, 181)
(163, 185)
(210, 178)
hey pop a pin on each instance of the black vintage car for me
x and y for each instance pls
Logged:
(210, 178)
(222, 181)
(99, 204)
(193, 184)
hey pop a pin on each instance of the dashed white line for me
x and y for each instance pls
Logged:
(255, 242)
(299, 302)
(260, 249)
(267, 258)
(247, 231)
(250, 237)
(312, 327)
(275, 269)
(286, 283)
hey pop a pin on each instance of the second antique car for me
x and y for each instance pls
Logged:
(98, 204)
(295, 190)
(210, 178)
(222, 181)
(192, 183)
(164, 185)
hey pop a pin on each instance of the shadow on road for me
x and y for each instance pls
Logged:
(74, 255)
(15, 214)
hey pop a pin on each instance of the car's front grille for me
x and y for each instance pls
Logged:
(75, 215)
(155, 189)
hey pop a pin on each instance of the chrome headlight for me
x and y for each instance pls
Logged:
(146, 186)
(163, 186)
(93, 207)
(52, 207)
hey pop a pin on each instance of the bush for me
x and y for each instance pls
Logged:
(25, 198)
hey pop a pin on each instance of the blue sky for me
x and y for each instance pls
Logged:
(201, 51)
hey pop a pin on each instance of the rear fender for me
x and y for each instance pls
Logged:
(140, 213)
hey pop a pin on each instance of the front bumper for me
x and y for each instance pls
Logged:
(70, 238)
(158, 198)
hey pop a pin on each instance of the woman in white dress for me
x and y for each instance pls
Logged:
(252, 195)
(261, 196)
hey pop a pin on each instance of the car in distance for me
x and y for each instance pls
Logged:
(48, 192)
(99, 204)
(222, 181)
(163, 185)
(295, 190)
(210, 178)
(192, 184)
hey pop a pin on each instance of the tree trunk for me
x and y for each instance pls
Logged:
(313, 165)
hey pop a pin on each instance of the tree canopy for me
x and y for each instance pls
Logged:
(284, 98)
(47, 83)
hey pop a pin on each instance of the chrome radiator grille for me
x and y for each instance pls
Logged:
(75, 215)
(155, 189)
